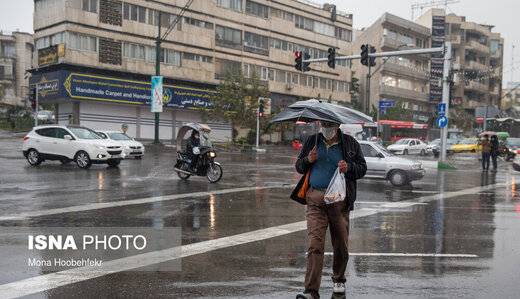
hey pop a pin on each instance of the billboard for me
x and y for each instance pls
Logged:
(66, 85)
(156, 103)
(437, 60)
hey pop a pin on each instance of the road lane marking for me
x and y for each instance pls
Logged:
(50, 281)
(139, 201)
(400, 254)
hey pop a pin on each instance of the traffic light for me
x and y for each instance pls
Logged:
(32, 97)
(261, 106)
(364, 54)
(298, 60)
(332, 58)
(372, 60)
(306, 65)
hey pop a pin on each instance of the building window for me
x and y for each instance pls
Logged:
(224, 67)
(230, 4)
(304, 23)
(256, 43)
(89, 5)
(344, 34)
(153, 17)
(257, 9)
(7, 49)
(198, 23)
(134, 13)
(419, 43)
(197, 57)
(228, 37)
(280, 76)
(324, 29)
(169, 56)
(78, 41)
(133, 51)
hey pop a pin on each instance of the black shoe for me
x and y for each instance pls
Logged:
(304, 296)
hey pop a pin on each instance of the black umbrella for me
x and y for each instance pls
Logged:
(313, 110)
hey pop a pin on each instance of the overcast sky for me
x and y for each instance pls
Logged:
(17, 15)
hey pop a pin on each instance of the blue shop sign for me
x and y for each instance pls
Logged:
(82, 86)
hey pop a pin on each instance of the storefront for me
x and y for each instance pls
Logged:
(104, 100)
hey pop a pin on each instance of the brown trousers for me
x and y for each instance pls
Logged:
(319, 216)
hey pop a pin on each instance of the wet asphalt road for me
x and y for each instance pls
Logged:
(473, 216)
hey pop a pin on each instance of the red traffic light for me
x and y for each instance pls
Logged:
(298, 54)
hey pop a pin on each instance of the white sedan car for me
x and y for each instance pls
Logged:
(131, 148)
(408, 146)
(70, 143)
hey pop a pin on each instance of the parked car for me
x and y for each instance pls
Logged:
(466, 145)
(131, 147)
(46, 117)
(409, 146)
(70, 143)
(435, 146)
(513, 144)
(383, 164)
(516, 163)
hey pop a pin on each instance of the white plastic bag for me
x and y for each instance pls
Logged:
(336, 191)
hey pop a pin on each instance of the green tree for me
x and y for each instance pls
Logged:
(354, 93)
(236, 100)
(398, 112)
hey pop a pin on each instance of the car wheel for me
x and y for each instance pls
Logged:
(423, 153)
(405, 152)
(34, 158)
(83, 160)
(113, 163)
(398, 178)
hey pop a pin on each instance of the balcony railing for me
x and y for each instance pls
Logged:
(478, 46)
(403, 93)
(405, 70)
(475, 65)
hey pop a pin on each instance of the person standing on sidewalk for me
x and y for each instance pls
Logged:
(494, 151)
(486, 152)
(318, 160)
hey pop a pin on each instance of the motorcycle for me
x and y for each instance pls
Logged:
(206, 164)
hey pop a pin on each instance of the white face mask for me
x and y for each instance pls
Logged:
(329, 132)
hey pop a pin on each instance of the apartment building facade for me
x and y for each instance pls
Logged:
(396, 79)
(16, 51)
(96, 56)
(477, 60)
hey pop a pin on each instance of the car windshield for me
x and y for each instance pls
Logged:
(403, 141)
(84, 133)
(468, 141)
(119, 136)
(513, 141)
(382, 149)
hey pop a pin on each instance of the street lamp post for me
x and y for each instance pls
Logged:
(157, 73)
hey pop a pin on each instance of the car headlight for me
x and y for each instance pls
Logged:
(212, 154)
(101, 147)
(416, 166)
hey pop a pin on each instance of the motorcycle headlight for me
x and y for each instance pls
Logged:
(212, 154)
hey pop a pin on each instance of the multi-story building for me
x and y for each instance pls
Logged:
(96, 56)
(477, 58)
(510, 102)
(16, 51)
(399, 79)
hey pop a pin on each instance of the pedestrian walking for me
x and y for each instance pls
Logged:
(486, 152)
(494, 151)
(318, 160)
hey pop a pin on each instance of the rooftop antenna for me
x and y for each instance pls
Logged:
(431, 3)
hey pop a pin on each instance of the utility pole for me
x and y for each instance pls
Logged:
(445, 96)
(36, 107)
(157, 73)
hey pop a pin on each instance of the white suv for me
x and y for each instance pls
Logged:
(131, 148)
(70, 143)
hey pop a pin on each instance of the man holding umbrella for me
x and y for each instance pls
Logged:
(319, 158)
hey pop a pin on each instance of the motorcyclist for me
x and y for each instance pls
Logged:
(193, 149)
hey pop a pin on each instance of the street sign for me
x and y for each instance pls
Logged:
(156, 102)
(383, 104)
(441, 109)
(442, 121)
